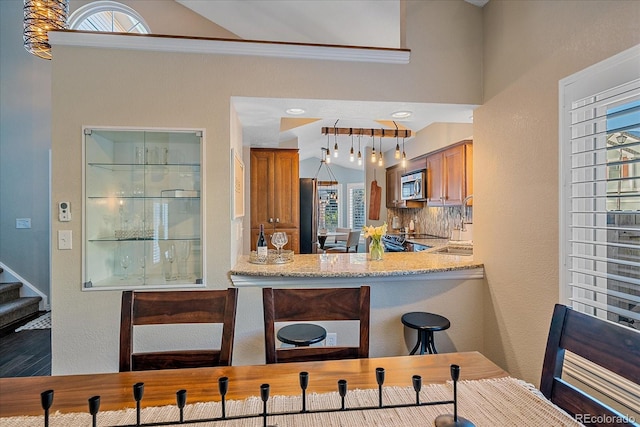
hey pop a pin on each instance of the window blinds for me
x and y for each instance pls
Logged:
(603, 218)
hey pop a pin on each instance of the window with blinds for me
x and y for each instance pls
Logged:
(357, 199)
(602, 217)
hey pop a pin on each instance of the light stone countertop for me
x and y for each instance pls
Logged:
(357, 265)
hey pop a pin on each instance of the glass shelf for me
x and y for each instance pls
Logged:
(143, 209)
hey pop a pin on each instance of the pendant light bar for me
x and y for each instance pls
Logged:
(380, 132)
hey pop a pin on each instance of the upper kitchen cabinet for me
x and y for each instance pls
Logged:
(394, 185)
(450, 174)
(275, 193)
(142, 210)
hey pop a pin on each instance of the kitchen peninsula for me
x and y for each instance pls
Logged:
(356, 268)
(450, 285)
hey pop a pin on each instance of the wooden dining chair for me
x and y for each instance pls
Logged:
(315, 305)
(610, 346)
(177, 307)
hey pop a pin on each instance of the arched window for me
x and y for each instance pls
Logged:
(108, 16)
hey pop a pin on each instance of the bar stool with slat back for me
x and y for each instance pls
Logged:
(426, 324)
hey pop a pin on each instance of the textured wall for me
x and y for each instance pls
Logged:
(528, 47)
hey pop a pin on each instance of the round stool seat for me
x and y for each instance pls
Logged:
(302, 334)
(426, 324)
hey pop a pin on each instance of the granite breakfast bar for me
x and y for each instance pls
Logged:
(401, 282)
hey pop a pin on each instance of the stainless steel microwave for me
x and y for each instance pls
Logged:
(413, 185)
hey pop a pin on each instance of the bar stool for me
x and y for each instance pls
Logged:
(426, 324)
(302, 334)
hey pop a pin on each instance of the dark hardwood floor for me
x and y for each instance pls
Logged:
(25, 353)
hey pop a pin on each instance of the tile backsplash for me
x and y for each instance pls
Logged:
(436, 221)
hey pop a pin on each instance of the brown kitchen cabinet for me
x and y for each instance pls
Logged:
(275, 194)
(393, 190)
(450, 175)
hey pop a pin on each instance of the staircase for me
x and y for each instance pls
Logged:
(14, 309)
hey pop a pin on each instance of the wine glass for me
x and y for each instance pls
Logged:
(279, 239)
(125, 262)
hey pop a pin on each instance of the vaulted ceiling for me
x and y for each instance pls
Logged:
(374, 23)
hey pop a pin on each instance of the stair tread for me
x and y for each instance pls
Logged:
(9, 285)
(9, 306)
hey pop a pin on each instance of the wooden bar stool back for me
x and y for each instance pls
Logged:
(177, 307)
(309, 305)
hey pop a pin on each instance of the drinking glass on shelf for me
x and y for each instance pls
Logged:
(125, 262)
(169, 257)
(142, 262)
(183, 253)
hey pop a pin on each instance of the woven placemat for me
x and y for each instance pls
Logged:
(490, 403)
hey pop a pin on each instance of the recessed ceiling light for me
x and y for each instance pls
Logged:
(295, 111)
(401, 114)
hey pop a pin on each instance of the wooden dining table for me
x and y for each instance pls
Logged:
(21, 396)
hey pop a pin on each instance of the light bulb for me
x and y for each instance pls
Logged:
(380, 161)
(352, 157)
(373, 156)
(335, 150)
(404, 159)
(359, 161)
(328, 159)
(397, 155)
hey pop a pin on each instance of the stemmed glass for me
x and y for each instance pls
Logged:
(279, 239)
(125, 262)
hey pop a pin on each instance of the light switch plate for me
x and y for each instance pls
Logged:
(23, 222)
(64, 239)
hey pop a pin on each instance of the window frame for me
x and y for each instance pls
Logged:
(612, 72)
(89, 9)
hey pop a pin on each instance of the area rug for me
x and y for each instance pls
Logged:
(42, 322)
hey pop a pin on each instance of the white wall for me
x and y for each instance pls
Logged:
(193, 90)
(25, 130)
(529, 46)
(25, 140)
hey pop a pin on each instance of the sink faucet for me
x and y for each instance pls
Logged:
(464, 211)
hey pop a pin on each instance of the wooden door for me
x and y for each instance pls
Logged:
(435, 193)
(286, 185)
(454, 178)
(262, 178)
(392, 184)
(275, 194)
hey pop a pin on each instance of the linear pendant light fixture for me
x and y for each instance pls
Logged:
(40, 17)
(380, 132)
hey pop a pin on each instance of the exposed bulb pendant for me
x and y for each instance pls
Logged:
(328, 151)
(359, 152)
(373, 150)
(380, 153)
(352, 156)
(397, 154)
(335, 147)
(404, 155)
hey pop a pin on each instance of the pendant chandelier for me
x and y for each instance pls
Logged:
(332, 192)
(40, 17)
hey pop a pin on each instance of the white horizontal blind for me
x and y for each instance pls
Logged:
(603, 218)
(357, 199)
